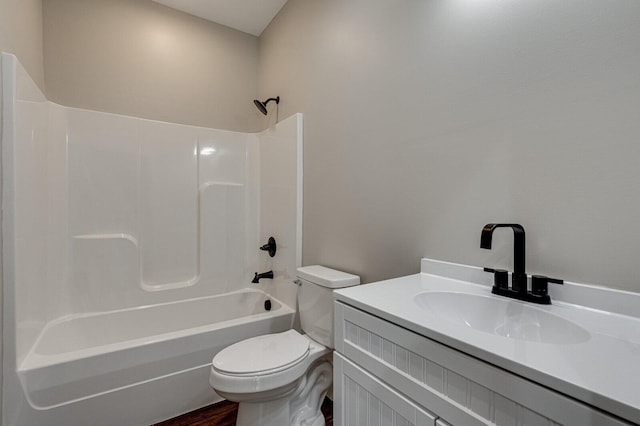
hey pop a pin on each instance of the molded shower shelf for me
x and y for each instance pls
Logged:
(127, 237)
(206, 185)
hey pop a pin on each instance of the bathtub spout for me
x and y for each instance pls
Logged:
(258, 276)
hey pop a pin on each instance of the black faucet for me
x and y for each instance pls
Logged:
(258, 276)
(518, 288)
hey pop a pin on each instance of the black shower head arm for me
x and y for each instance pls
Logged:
(276, 99)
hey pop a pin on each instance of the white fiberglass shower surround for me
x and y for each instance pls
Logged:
(128, 250)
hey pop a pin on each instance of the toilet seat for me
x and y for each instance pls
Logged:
(262, 354)
(272, 381)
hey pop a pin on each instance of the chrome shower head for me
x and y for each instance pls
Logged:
(262, 106)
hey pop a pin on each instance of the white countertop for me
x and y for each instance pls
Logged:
(603, 371)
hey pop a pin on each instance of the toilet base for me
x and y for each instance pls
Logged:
(300, 407)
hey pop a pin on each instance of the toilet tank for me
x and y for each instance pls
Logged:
(315, 300)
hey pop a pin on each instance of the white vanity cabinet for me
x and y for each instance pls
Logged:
(385, 374)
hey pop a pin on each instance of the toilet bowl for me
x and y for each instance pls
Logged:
(281, 379)
(273, 378)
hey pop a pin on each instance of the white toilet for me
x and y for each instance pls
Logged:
(281, 379)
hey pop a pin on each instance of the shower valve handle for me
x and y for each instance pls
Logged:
(270, 247)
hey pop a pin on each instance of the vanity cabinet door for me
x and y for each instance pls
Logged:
(362, 400)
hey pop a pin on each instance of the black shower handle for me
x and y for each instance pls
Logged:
(270, 246)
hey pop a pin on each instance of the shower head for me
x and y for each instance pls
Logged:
(262, 106)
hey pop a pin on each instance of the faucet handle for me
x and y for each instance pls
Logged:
(539, 284)
(500, 277)
(270, 247)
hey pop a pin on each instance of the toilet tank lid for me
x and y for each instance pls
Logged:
(327, 277)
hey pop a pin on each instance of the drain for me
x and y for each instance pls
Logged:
(267, 305)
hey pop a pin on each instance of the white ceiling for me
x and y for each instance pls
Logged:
(250, 16)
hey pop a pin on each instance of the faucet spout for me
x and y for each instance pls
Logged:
(519, 275)
(256, 279)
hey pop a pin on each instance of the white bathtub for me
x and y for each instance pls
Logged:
(155, 359)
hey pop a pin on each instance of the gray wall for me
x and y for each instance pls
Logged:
(426, 119)
(21, 34)
(143, 59)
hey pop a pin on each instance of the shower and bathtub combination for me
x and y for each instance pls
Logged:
(129, 247)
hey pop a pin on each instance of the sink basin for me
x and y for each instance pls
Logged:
(506, 318)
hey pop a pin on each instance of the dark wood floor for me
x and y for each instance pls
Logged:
(224, 414)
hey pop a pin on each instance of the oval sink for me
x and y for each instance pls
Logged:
(513, 320)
